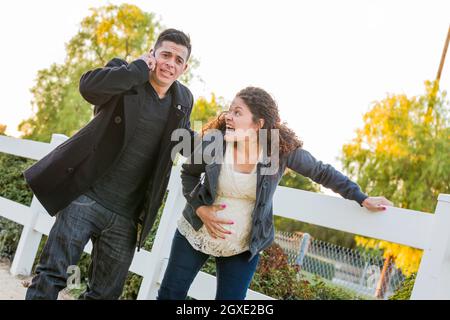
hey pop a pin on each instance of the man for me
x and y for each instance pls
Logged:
(113, 173)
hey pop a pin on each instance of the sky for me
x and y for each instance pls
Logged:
(324, 62)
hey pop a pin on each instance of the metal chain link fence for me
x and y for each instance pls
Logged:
(366, 275)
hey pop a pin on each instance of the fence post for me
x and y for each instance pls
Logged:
(163, 240)
(433, 277)
(29, 238)
(304, 245)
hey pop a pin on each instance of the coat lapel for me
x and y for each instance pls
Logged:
(179, 109)
(131, 112)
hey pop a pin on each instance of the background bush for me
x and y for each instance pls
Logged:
(13, 187)
(405, 290)
(322, 268)
(275, 277)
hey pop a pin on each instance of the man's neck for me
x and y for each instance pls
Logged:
(161, 91)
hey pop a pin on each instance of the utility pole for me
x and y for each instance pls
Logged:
(438, 78)
(444, 52)
(384, 278)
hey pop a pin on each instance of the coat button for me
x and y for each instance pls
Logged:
(117, 120)
(69, 170)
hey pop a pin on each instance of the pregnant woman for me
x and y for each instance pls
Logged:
(229, 215)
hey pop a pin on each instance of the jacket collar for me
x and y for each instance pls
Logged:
(180, 98)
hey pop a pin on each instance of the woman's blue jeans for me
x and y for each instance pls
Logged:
(234, 273)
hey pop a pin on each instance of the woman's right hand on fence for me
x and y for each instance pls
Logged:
(213, 224)
(376, 203)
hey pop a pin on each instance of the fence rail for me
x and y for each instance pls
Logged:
(429, 232)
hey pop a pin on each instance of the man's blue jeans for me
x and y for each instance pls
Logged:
(234, 273)
(114, 241)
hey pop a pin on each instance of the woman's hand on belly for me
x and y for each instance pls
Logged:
(213, 224)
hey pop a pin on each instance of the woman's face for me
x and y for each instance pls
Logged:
(239, 121)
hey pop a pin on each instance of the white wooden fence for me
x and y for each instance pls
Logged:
(430, 232)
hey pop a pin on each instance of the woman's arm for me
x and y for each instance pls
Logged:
(304, 163)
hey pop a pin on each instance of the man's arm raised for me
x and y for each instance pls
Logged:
(99, 85)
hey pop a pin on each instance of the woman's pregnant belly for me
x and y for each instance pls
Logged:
(237, 210)
(240, 212)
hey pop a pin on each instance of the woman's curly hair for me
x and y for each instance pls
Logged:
(262, 106)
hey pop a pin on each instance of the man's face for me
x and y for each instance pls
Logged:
(171, 63)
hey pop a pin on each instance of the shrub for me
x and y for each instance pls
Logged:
(12, 182)
(405, 290)
(276, 278)
(9, 238)
(12, 187)
(322, 268)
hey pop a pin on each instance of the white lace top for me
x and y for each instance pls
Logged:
(238, 192)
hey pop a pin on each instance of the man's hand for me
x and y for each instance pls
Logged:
(149, 59)
(213, 224)
(376, 203)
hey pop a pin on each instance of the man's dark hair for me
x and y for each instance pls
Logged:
(176, 36)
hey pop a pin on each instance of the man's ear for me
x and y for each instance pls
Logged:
(261, 123)
(186, 66)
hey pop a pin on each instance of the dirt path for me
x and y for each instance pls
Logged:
(14, 288)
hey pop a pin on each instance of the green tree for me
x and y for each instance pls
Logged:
(291, 179)
(123, 31)
(205, 110)
(402, 152)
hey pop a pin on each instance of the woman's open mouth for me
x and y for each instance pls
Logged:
(229, 129)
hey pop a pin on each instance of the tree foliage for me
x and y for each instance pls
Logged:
(205, 110)
(123, 31)
(402, 152)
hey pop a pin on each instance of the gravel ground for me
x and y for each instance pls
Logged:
(15, 287)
